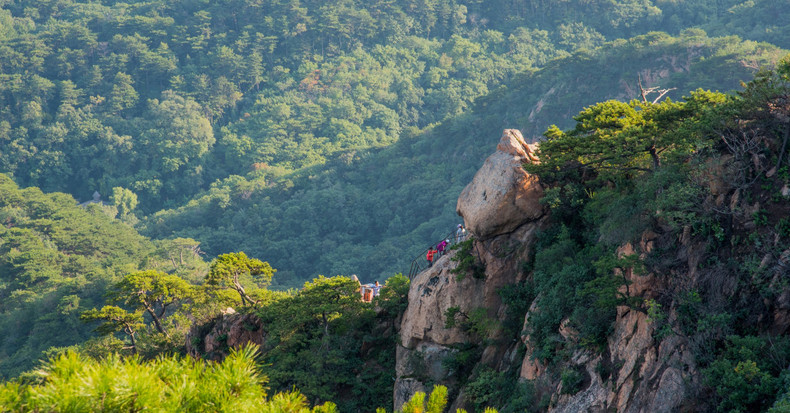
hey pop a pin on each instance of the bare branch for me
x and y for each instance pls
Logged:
(661, 94)
(644, 92)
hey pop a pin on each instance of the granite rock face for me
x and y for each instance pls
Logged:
(501, 211)
(502, 195)
(648, 375)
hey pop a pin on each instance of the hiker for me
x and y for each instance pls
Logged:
(376, 288)
(440, 247)
(367, 292)
(460, 234)
(429, 256)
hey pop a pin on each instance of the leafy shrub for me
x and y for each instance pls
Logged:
(394, 297)
(562, 276)
(658, 317)
(460, 362)
(517, 298)
(783, 227)
(436, 403)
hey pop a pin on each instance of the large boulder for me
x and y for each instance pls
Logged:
(502, 196)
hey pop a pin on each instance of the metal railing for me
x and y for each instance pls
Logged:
(420, 264)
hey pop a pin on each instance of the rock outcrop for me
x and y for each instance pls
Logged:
(637, 371)
(646, 375)
(228, 330)
(501, 211)
(502, 195)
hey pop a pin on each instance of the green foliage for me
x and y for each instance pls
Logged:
(437, 401)
(615, 140)
(116, 319)
(569, 288)
(657, 317)
(238, 127)
(572, 379)
(748, 372)
(783, 227)
(466, 262)
(300, 206)
(503, 391)
(760, 218)
(476, 322)
(248, 132)
(314, 341)
(155, 293)
(70, 382)
(450, 316)
(663, 177)
(394, 296)
(462, 359)
(518, 298)
(229, 270)
(56, 261)
(125, 200)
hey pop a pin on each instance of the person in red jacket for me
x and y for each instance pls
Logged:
(429, 256)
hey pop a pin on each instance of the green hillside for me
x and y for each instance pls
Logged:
(242, 120)
(372, 212)
(322, 138)
(687, 172)
(56, 260)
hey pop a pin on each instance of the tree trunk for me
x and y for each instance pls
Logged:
(240, 289)
(654, 155)
(131, 333)
(157, 321)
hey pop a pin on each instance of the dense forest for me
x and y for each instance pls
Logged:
(317, 138)
(314, 136)
(623, 169)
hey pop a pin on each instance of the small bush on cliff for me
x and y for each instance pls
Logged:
(501, 390)
(466, 262)
(517, 298)
(572, 379)
(461, 362)
(394, 296)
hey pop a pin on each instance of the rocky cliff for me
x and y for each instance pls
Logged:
(651, 359)
(502, 212)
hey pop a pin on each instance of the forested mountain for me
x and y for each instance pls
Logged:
(56, 260)
(649, 272)
(322, 138)
(334, 138)
(245, 120)
(372, 212)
